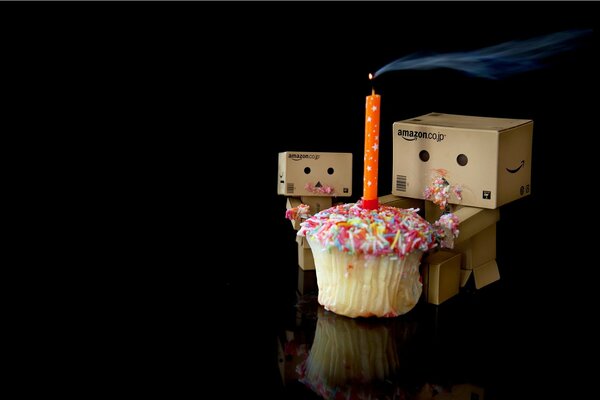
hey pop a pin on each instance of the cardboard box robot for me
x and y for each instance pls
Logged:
(484, 162)
(311, 179)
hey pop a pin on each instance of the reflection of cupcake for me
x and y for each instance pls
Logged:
(351, 358)
(367, 261)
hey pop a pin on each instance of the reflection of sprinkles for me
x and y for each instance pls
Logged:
(386, 231)
(439, 190)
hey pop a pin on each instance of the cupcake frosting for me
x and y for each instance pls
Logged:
(386, 231)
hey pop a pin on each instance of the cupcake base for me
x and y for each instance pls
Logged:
(365, 286)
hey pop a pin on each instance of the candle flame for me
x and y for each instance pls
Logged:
(370, 76)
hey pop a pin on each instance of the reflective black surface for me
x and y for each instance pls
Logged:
(518, 338)
(496, 342)
(461, 348)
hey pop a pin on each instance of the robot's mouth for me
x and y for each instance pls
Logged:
(514, 171)
(319, 188)
(440, 189)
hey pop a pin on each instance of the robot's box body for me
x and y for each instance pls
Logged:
(489, 158)
(314, 174)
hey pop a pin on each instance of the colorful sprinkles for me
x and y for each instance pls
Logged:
(319, 189)
(439, 190)
(448, 223)
(302, 211)
(386, 231)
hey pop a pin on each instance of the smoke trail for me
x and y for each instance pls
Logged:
(497, 61)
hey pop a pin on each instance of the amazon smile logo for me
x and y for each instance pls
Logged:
(514, 171)
(298, 157)
(414, 135)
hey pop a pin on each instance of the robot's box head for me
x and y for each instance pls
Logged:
(489, 159)
(314, 174)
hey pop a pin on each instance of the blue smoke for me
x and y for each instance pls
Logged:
(497, 61)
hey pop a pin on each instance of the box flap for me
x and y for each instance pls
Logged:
(305, 258)
(292, 202)
(443, 276)
(464, 276)
(486, 274)
(467, 122)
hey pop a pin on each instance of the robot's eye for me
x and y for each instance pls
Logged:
(307, 170)
(462, 160)
(330, 171)
(424, 155)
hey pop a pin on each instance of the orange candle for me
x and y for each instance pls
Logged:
(370, 200)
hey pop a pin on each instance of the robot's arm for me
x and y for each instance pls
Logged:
(300, 208)
(474, 220)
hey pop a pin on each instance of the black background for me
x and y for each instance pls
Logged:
(277, 77)
(297, 80)
(183, 109)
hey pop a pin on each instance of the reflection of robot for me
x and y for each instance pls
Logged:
(311, 180)
(469, 166)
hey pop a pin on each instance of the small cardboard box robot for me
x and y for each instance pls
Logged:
(488, 163)
(312, 179)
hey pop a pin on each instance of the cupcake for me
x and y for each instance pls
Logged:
(354, 359)
(367, 261)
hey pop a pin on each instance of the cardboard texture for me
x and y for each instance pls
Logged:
(473, 221)
(483, 247)
(292, 202)
(307, 281)
(400, 202)
(486, 274)
(476, 242)
(490, 158)
(432, 212)
(317, 203)
(441, 276)
(483, 275)
(305, 258)
(478, 250)
(300, 170)
(465, 248)
(302, 242)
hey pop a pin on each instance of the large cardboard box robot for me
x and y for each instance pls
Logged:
(487, 161)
